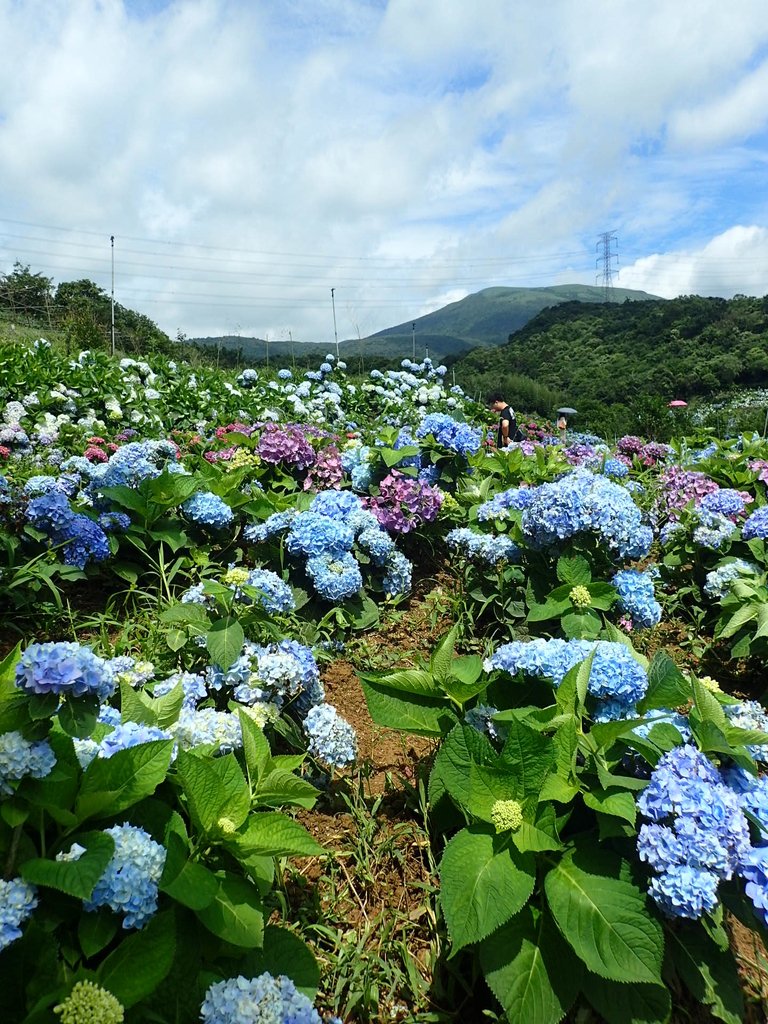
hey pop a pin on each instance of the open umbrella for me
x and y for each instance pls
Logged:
(678, 403)
(566, 411)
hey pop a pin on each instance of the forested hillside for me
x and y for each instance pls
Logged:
(617, 354)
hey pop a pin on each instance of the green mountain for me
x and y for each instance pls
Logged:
(484, 319)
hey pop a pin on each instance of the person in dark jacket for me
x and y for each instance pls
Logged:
(508, 429)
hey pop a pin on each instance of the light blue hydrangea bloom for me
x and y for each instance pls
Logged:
(65, 668)
(335, 574)
(206, 509)
(20, 757)
(262, 1000)
(129, 883)
(332, 739)
(129, 734)
(720, 579)
(204, 726)
(17, 901)
(637, 597)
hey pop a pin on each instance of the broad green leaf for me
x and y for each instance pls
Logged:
(628, 1004)
(255, 748)
(467, 669)
(603, 596)
(217, 793)
(746, 613)
(484, 881)
(236, 912)
(708, 972)
(272, 834)
(707, 705)
(186, 881)
(224, 641)
(111, 784)
(530, 970)
(285, 953)
(442, 657)
(574, 570)
(96, 929)
(280, 786)
(528, 756)
(605, 734)
(606, 922)
(74, 877)
(141, 961)
(415, 681)
(186, 613)
(8, 672)
(168, 707)
(425, 716)
(466, 766)
(581, 625)
(667, 686)
(136, 706)
(616, 802)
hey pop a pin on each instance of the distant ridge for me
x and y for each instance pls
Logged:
(483, 319)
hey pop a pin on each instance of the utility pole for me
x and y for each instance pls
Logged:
(413, 342)
(335, 332)
(608, 249)
(112, 243)
(266, 344)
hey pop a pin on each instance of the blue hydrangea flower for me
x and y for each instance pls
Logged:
(749, 714)
(377, 544)
(713, 530)
(582, 502)
(129, 734)
(336, 504)
(615, 468)
(262, 1000)
(335, 574)
(332, 739)
(398, 573)
(65, 668)
(491, 549)
(516, 499)
(204, 726)
(275, 595)
(20, 757)
(450, 433)
(206, 509)
(17, 901)
(699, 833)
(637, 597)
(314, 534)
(257, 533)
(725, 502)
(129, 883)
(720, 579)
(754, 871)
(756, 526)
(192, 685)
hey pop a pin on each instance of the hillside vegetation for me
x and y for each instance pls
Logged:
(589, 355)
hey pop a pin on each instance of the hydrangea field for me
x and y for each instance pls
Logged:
(568, 636)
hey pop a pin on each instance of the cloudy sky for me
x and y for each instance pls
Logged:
(250, 155)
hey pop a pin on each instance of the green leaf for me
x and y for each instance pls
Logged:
(616, 802)
(255, 748)
(285, 953)
(75, 877)
(529, 756)
(667, 686)
(272, 834)
(224, 641)
(111, 784)
(465, 764)
(136, 706)
(424, 716)
(217, 793)
(415, 681)
(175, 639)
(574, 570)
(95, 930)
(581, 625)
(77, 715)
(484, 881)
(606, 922)
(185, 614)
(8, 671)
(43, 705)
(530, 970)
(628, 1004)
(236, 912)
(280, 786)
(708, 972)
(442, 657)
(744, 614)
(605, 734)
(186, 881)
(141, 961)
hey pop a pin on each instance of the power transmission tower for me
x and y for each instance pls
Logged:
(608, 249)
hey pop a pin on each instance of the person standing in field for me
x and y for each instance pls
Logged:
(508, 429)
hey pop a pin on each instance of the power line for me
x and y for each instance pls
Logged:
(605, 246)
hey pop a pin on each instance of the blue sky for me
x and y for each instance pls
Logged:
(249, 156)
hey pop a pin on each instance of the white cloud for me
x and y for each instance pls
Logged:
(249, 157)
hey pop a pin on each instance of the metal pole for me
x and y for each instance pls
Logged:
(413, 342)
(112, 243)
(335, 333)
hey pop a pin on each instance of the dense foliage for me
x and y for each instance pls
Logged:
(596, 803)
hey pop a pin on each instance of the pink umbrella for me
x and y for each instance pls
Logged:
(678, 403)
